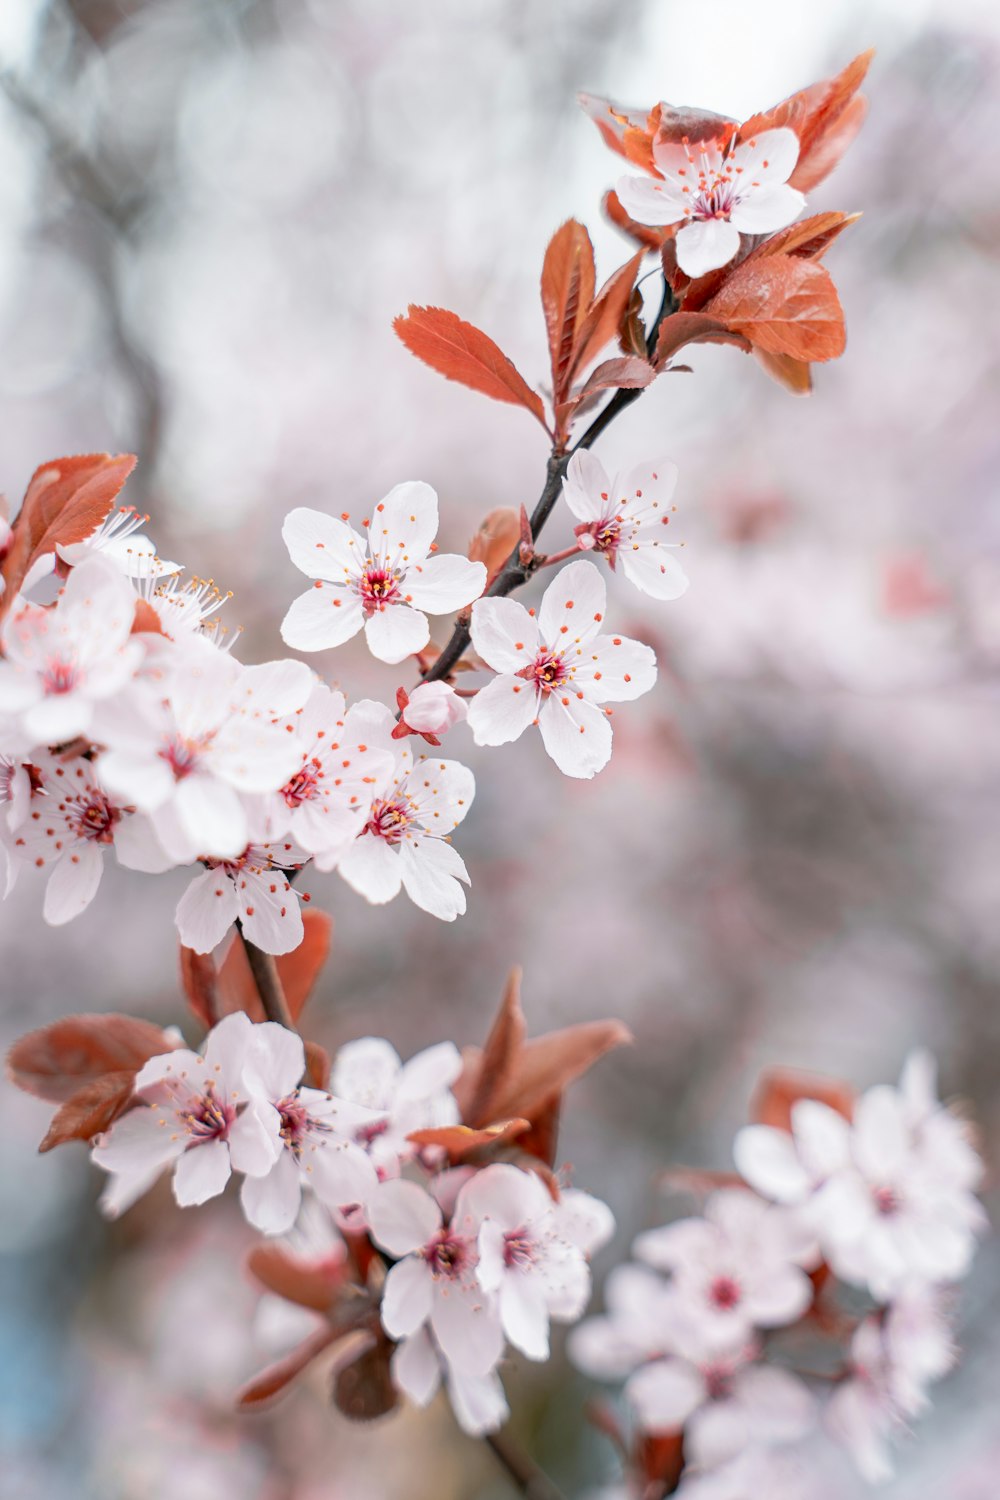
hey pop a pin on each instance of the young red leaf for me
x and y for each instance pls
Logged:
(794, 374)
(567, 289)
(56, 1061)
(298, 970)
(548, 1064)
(91, 1109)
(462, 352)
(629, 132)
(308, 1283)
(649, 236)
(460, 1140)
(826, 117)
(200, 984)
(628, 372)
(693, 328)
(605, 318)
(496, 539)
(272, 1382)
(783, 304)
(492, 1073)
(317, 1066)
(811, 238)
(779, 1088)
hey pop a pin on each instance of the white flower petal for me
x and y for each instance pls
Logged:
(201, 1173)
(396, 632)
(706, 245)
(502, 710)
(320, 546)
(445, 583)
(206, 911)
(576, 734)
(573, 606)
(73, 883)
(403, 1217)
(372, 869)
(324, 616)
(504, 634)
(407, 1297)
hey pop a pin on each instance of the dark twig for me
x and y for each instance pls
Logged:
(523, 1473)
(516, 570)
(268, 982)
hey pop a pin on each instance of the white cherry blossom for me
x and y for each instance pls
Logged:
(533, 1252)
(737, 1269)
(434, 1280)
(478, 1401)
(405, 841)
(187, 744)
(641, 1322)
(386, 581)
(432, 709)
(119, 538)
(555, 671)
(194, 1114)
(61, 662)
(622, 519)
(253, 888)
(317, 1134)
(715, 191)
(15, 800)
(403, 1097)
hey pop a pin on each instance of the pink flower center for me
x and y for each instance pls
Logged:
(377, 586)
(447, 1254)
(304, 785)
(388, 821)
(207, 1118)
(548, 670)
(518, 1250)
(181, 756)
(7, 772)
(296, 1122)
(367, 1135)
(886, 1200)
(724, 1293)
(718, 1382)
(61, 676)
(606, 534)
(717, 196)
(92, 817)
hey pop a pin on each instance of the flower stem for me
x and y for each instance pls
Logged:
(522, 1471)
(515, 571)
(268, 982)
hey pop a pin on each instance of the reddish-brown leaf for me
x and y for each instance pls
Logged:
(810, 238)
(826, 117)
(56, 1061)
(660, 1459)
(547, 1065)
(91, 1109)
(66, 500)
(543, 1137)
(492, 1073)
(693, 328)
(199, 982)
(605, 318)
(632, 334)
(694, 125)
(783, 304)
(629, 132)
(496, 538)
(567, 293)
(779, 1088)
(649, 236)
(309, 1283)
(146, 621)
(462, 352)
(298, 970)
(272, 1382)
(459, 1140)
(628, 372)
(794, 374)
(317, 1066)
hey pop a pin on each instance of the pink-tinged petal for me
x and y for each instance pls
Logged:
(644, 493)
(503, 634)
(407, 1297)
(769, 209)
(271, 1203)
(505, 1194)
(201, 1173)
(584, 1220)
(276, 1059)
(254, 1140)
(433, 708)
(822, 1135)
(683, 1245)
(431, 872)
(480, 1405)
(576, 734)
(502, 710)
(206, 911)
(137, 776)
(665, 1393)
(143, 1141)
(614, 669)
(780, 1296)
(444, 583)
(403, 1217)
(416, 1369)
(881, 1140)
(271, 919)
(766, 1158)
(856, 1419)
(58, 718)
(322, 547)
(653, 568)
(442, 793)
(779, 1407)
(274, 689)
(341, 1174)
(649, 201)
(587, 487)
(706, 246)
(366, 1071)
(716, 1433)
(404, 524)
(524, 1315)
(467, 1329)
(138, 848)
(73, 883)
(431, 1070)
(573, 606)
(211, 816)
(372, 869)
(396, 632)
(123, 1189)
(180, 1066)
(323, 617)
(226, 1048)
(770, 158)
(491, 1267)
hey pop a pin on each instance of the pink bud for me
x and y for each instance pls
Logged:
(433, 708)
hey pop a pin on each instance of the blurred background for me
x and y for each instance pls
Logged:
(210, 211)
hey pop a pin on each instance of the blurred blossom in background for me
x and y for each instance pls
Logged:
(210, 211)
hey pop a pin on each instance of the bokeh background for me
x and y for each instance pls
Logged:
(210, 211)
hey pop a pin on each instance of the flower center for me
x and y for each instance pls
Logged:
(718, 1382)
(93, 817)
(724, 1293)
(181, 756)
(303, 786)
(388, 820)
(518, 1250)
(447, 1255)
(548, 670)
(296, 1122)
(61, 676)
(886, 1200)
(367, 1135)
(207, 1118)
(377, 586)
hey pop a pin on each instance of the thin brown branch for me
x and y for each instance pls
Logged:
(268, 982)
(522, 1471)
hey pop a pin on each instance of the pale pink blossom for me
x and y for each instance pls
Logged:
(725, 1402)
(405, 842)
(642, 1321)
(737, 1269)
(434, 1279)
(478, 1401)
(715, 191)
(15, 799)
(555, 671)
(623, 518)
(432, 709)
(187, 745)
(889, 1195)
(119, 538)
(253, 888)
(317, 1134)
(533, 1251)
(383, 581)
(69, 825)
(403, 1097)
(194, 1114)
(63, 661)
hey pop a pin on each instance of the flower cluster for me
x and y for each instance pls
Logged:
(874, 1196)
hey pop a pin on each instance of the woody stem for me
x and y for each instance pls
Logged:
(268, 982)
(522, 1471)
(515, 571)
